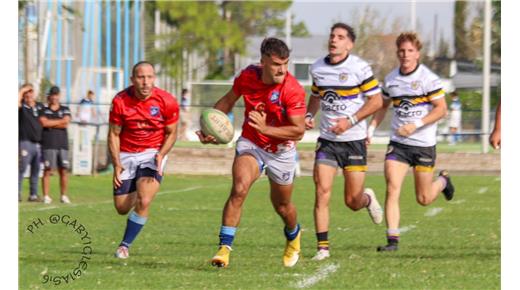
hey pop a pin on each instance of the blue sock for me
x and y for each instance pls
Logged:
(134, 224)
(291, 234)
(227, 235)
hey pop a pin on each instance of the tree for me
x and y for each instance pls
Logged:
(459, 28)
(217, 30)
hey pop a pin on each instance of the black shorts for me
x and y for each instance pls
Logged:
(350, 155)
(422, 158)
(130, 185)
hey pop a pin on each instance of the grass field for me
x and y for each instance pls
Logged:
(453, 245)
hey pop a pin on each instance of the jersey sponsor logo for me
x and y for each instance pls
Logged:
(393, 86)
(154, 111)
(405, 110)
(343, 77)
(415, 85)
(275, 97)
(355, 157)
(328, 98)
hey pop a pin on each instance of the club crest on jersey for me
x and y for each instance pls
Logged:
(415, 85)
(343, 77)
(275, 97)
(154, 111)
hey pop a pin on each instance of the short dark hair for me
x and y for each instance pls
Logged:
(143, 62)
(54, 90)
(351, 34)
(274, 46)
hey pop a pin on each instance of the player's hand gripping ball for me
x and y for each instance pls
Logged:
(217, 124)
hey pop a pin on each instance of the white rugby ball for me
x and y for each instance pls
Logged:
(217, 124)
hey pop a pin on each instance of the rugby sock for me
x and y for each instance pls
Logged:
(443, 180)
(291, 234)
(227, 235)
(323, 240)
(134, 224)
(369, 200)
(392, 236)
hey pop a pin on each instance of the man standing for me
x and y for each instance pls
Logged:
(29, 138)
(86, 112)
(346, 91)
(143, 129)
(455, 118)
(55, 119)
(274, 121)
(418, 100)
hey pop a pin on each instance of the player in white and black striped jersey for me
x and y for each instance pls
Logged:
(418, 100)
(346, 92)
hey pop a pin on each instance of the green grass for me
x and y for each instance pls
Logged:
(459, 248)
(442, 147)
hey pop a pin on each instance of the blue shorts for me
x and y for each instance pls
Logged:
(130, 185)
(141, 164)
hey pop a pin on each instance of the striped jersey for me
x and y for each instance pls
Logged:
(342, 88)
(411, 96)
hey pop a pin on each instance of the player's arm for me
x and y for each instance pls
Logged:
(378, 117)
(114, 132)
(227, 102)
(170, 136)
(294, 131)
(312, 109)
(224, 104)
(438, 112)
(374, 103)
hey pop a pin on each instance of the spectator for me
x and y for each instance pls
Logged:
(496, 137)
(55, 119)
(455, 118)
(86, 111)
(29, 138)
(185, 114)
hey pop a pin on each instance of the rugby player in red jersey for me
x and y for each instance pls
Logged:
(274, 121)
(143, 129)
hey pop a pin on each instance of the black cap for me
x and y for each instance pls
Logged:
(54, 91)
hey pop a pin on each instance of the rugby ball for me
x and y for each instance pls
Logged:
(217, 124)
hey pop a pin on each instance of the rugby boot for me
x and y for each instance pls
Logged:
(374, 208)
(221, 258)
(292, 251)
(449, 190)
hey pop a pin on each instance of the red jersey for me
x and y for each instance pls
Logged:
(278, 101)
(143, 121)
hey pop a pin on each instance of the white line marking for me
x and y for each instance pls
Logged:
(482, 190)
(407, 229)
(458, 201)
(433, 211)
(322, 273)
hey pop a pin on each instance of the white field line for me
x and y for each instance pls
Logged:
(111, 201)
(482, 190)
(322, 273)
(458, 201)
(433, 211)
(407, 228)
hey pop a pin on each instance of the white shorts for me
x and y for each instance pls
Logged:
(279, 167)
(132, 161)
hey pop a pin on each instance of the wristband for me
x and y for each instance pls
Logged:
(309, 115)
(353, 120)
(418, 124)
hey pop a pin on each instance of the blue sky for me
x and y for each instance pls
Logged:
(318, 16)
